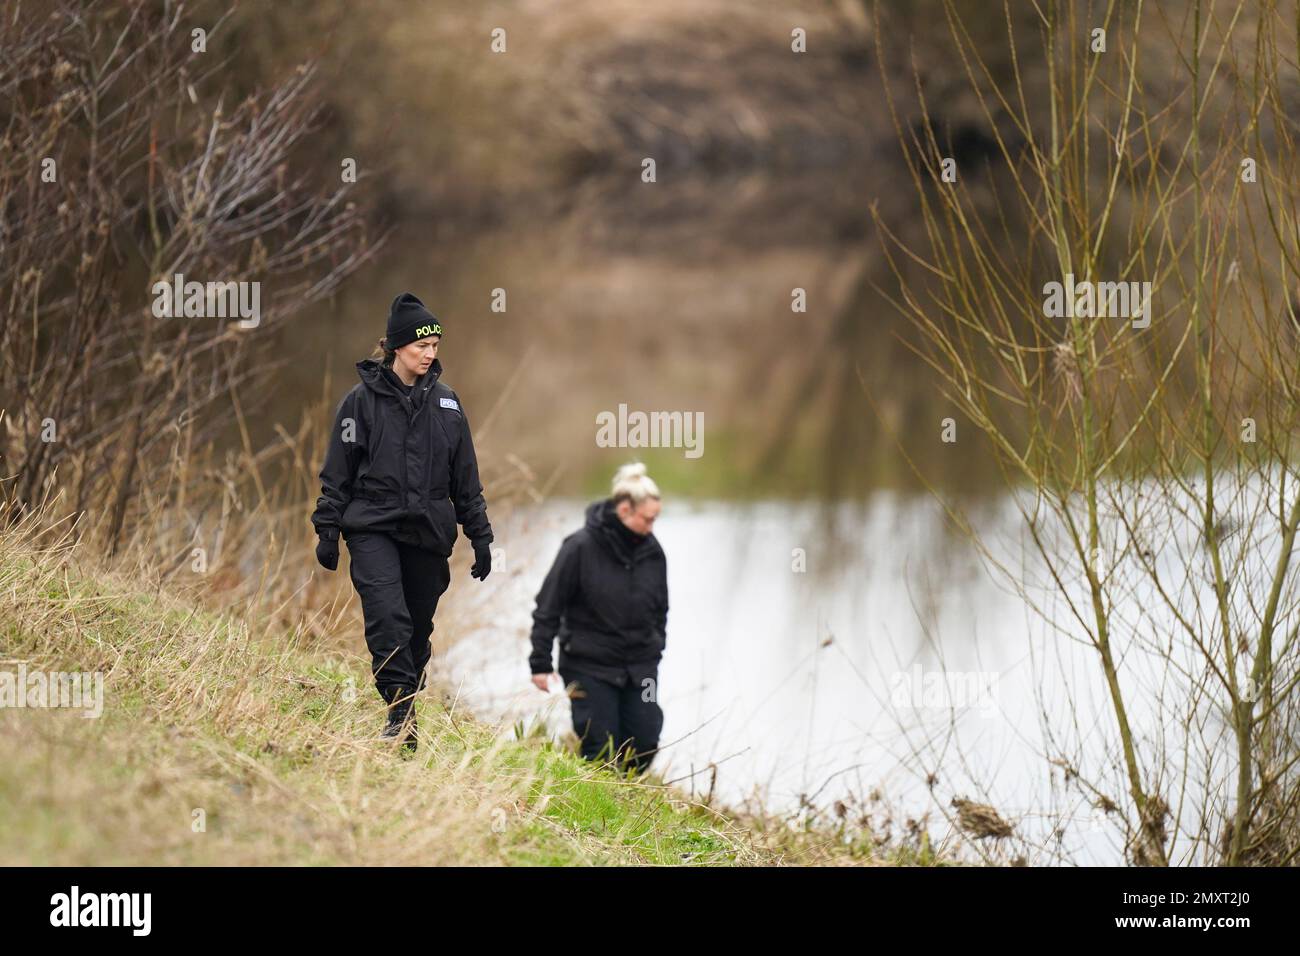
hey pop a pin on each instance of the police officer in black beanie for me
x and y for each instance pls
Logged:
(400, 473)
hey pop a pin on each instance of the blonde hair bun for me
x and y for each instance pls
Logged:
(632, 483)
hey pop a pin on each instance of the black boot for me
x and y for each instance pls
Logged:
(401, 715)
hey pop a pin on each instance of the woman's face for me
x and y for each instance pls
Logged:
(419, 355)
(639, 518)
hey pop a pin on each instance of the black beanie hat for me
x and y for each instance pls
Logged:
(409, 320)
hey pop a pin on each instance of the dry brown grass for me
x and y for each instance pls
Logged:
(270, 742)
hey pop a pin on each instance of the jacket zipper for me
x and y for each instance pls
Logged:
(412, 414)
(410, 420)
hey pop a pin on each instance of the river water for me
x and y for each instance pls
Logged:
(894, 654)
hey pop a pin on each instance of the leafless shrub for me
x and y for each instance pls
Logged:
(1154, 467)
(156, 174)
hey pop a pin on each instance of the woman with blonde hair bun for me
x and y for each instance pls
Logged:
(606, 598)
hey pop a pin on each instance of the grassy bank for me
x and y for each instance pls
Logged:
(223, 744)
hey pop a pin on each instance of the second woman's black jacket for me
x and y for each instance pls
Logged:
(605, 599)
(402, 460)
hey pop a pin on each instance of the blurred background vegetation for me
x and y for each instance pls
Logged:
(521, 170)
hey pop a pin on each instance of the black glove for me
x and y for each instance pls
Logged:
(482, 562)
(327, 553)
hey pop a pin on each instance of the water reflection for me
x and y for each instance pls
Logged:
(814, 682)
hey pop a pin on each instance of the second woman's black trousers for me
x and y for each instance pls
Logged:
(618, 721)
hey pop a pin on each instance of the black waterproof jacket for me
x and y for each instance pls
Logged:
(402, 461)
(607, 601)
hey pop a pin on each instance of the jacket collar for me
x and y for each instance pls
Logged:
(600, 517)
(372, 375)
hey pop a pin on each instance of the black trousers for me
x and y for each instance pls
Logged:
(399, 585)
(616, 721)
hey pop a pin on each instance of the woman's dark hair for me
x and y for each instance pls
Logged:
(383, 351)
